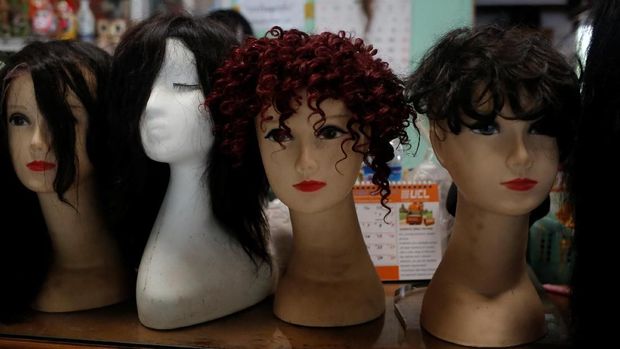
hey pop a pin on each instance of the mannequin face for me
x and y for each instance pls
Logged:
(507, 167)
(175, 126)
(308, 171)
(30, 141)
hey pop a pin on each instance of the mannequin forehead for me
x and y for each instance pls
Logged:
(483, 102)
(21, 91)
(179, 60)
(21, 94)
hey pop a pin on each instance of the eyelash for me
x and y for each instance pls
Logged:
(482, 128)
(536, 128)
(185, 87)
(281, 133)
(321, 133)
(540, 127)
(17, 118)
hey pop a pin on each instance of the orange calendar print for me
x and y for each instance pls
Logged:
(404, 243)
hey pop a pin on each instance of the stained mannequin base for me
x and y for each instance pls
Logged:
(409, 304)
(324, 324)
(333, 305)
(68, 291)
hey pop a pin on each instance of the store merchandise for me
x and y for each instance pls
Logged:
(86, 22)
(301, 121)
(487, 130)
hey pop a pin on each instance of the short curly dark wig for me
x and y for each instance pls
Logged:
(272, 71)
(510, 65)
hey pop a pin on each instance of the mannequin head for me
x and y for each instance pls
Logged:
(48, 106)
(174, 127)
(50, 110)
(312, 163)
(324, 90)
(30, 139)
(502, 104)
(147, 82)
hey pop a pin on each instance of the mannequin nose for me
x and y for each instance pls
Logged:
(40, 138)
(156, 102)
(520, 156)
(306, 163)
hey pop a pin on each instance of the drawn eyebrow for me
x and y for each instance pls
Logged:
(17, 106)
(337, 116)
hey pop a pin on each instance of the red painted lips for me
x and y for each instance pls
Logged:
(309, 186)
(40, 166)
(520, 184)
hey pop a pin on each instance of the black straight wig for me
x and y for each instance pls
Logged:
(139, 183)
(57, 68)
(591, 180)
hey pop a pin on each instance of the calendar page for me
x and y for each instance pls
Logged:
(389, 31)
(404, 245)
(263, 15)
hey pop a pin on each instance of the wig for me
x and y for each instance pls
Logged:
(274, 70)
(234, 21)
(595, 161)
(56, 67)
(139, 183)
(508, 65)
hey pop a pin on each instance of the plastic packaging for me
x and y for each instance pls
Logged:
(67, 22)
(43, 18)
(86, 22)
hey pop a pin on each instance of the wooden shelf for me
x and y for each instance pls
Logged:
(118, 327)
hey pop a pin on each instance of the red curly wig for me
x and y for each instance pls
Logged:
(271, 71)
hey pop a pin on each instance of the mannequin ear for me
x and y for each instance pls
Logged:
(437, 136)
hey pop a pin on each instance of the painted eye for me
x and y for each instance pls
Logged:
(330, 132)
(18, 119)
(542, 127)
(279, 135)
(485, 129)
(185, 87)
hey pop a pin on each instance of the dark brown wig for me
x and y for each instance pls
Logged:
(503, 65)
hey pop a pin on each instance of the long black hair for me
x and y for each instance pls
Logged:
(139, 183)
(57, 68)
(592, 176)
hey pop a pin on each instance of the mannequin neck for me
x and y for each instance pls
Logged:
(76, 227)
(330, 279)
(316, 230)
(87, 269)
(481, 294)
(491, 247)
(191, 172)
(329, 237)
(186, 203)
(188, 185)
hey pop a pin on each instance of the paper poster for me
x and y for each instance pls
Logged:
(404, 244)
(389, 31)
(263, 15)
